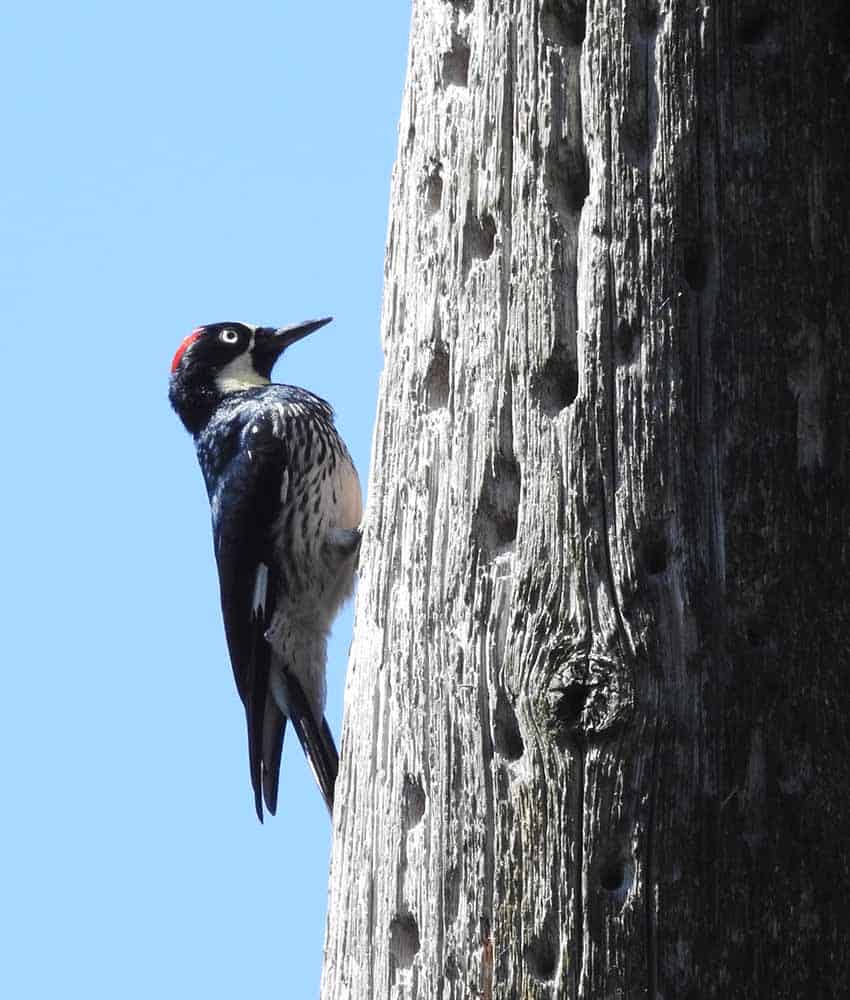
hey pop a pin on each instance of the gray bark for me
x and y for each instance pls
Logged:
(595, 741)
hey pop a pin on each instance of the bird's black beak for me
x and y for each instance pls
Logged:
(270, 343)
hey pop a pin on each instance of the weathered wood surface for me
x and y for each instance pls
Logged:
(595, 741)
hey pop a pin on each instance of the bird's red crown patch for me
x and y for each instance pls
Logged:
(184, 346)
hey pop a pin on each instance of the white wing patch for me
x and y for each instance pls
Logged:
(261, 588)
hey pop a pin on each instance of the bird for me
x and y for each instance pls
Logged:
(286, 509)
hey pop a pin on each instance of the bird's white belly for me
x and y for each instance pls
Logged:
(349, 506)
(315, 579)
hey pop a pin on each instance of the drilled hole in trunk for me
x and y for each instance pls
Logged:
(564, 22)
(436, 382)
(568, 704)
(617, 875)
(695, 267)
(413, 801)
(541, 954)
(625, 338)
(404, 941)
(479, 238)
(649, 19)
(507, 738)
(567, 177)
(498, 505)
(754, 26)
(655, 551)
(434, 190)
(555, 385)
(455, 71)
(613, 875)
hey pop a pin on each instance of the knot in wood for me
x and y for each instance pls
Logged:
(588, 697)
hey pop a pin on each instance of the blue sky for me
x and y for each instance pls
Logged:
(165, 165)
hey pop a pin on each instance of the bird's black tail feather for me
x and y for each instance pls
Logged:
(274, 730)
(266, 723)
(255, 708)
(316, 740)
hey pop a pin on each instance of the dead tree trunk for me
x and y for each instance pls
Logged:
(596, 737)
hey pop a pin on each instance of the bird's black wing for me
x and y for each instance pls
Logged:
(244, 508)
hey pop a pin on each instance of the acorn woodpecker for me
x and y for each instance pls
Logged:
(286, 509)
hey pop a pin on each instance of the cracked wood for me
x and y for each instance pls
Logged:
(595, 735)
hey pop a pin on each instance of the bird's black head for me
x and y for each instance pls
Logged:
(222, 358)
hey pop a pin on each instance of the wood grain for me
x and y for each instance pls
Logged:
(595, 741)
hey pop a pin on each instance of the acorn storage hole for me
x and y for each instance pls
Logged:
(413, 801)
(437, 380)
(507, 738)
(695, 267)
(616, 875)
(497, 516)
(567, 177)
(404, 941)
(564, 22)
(649, 21)
(568, 702)
(451, 892)
(541, 953)
(434, 188)
(755, 26)
(479, 238)
(613, 875)
(455, 68)
(625, 339)
(655, 551)
(555, 386)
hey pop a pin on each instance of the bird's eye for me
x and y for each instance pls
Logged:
(228, 336)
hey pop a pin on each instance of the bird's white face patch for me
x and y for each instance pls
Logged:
(240, 373)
